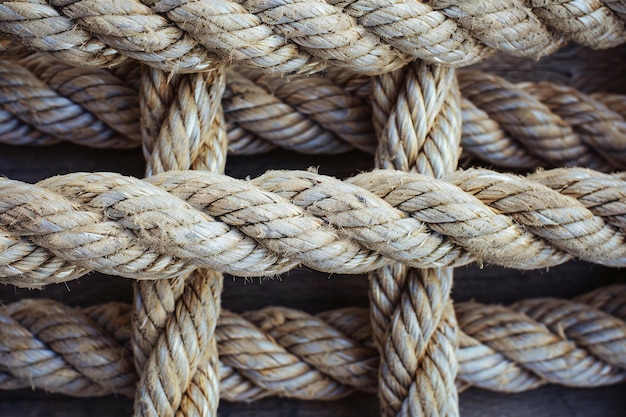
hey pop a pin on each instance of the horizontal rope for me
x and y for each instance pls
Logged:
(174, 222)
(290, 36)
(518, 126)
(281, 351)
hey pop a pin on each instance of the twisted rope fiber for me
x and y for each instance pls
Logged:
(413, 319)
(44, 101)
(522, 126)
(156, 410)
(281, 351)
(290, 36)
(174, 320)
(504, 124)
(64, 226)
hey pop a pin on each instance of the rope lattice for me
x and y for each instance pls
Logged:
(289, 36)
(518, 126)
(64, 226)
(281, 351)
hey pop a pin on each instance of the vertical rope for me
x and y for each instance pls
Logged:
(417, 117)
(174, 320)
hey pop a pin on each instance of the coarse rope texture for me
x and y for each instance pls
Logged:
(64, 226)
(174, 320)
(520, 126)
(290, 36)
(290, 353)
(417, 119)
(182, 128)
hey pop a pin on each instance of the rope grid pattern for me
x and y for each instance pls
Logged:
(182, 229)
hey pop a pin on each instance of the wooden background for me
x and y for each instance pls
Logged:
(313, 292)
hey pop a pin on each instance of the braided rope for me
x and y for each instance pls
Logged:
(66, 225)
(329, 114)
(280, 351)
(289, 36)
(174, 321)
(418, 120)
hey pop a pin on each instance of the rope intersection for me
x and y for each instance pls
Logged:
(182, 229)
(173, 222)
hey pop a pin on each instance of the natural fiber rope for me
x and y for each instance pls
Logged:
(280, 351)
(66, 225)
(289, 36)
(418, 122)
(618, 6)
(174, 320)
(502, 123)
(44, 101)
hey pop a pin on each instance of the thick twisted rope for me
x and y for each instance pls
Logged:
(44, 101)
(521, 126)
(67, 225)
(289, 36)
(281, 351)
(418, 120)
(174, 320)
(518, 126)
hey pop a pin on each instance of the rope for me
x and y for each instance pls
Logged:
(413, 320)
(44, 101)
(518, 126)
(174, 320)
(60, 228)
(515, 126)
(281, 351)
(290, 36)
(618, 6)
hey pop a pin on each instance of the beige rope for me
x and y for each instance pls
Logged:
(105, 222)
(43, 101)
(328, 114)
(617, 6)
(557, 140)
(307, 114)
(280, 351)
(363, 36)
(418, 119)
(174, 323)
(502, 122)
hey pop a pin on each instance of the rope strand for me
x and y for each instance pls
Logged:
(413, 320)
(174, 322)
(574, 343)
(105, 222)
(329, 114)
(362, 36)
